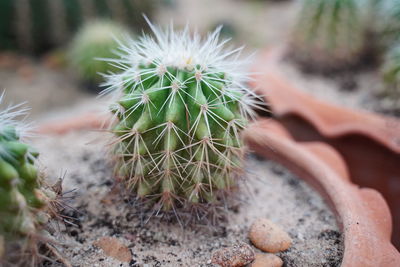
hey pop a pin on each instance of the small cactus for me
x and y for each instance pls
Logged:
(24, 204)
(391, 79)
(330, 35)
(39, 25)
(181, 104)
(95, 40)
(390, 17)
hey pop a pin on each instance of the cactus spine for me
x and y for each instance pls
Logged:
(24, 205)
(181, 105)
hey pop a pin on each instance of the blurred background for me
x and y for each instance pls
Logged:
(341, 50)
(48, 47)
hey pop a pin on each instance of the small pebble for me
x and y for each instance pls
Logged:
(236, 256)
(114, 248)
(268, 236)
(267, 260)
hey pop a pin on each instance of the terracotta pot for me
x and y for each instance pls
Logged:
(369, 143)
(362, 213)
(87, 121)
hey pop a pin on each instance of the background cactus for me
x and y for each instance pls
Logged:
(391, 79)
(95, 40)
(181, 105)
(38, 25)
(25, 206)
(330, 35)
(391, 11)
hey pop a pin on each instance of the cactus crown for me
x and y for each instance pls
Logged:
(182, 102)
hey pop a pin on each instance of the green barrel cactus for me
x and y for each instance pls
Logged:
(96, 40)
(181, 104)
(390, 17)
(36, 26)
(330, 35)
(391, 79)
(24, 204)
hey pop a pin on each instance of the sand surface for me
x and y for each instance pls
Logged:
(271, 192)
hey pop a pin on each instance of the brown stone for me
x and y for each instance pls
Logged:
(114, 248)
(236, 256)
(267, 260)
(268, 236)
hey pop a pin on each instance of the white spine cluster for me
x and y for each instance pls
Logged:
(9, 115)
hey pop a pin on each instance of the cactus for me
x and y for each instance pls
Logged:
(181, 104)
(330, 35)
(36, 26)
(25, 206)
(390, 11)
(391, 79)
(95, 40)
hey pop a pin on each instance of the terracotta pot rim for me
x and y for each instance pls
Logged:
(382, 129)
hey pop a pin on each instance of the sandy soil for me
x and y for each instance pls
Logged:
(272, 192)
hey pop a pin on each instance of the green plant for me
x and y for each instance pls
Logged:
(330, 35)
(25, 205)
(390, 10)
(391, 78)
(181, 104)
(36, 26)
(96, 39)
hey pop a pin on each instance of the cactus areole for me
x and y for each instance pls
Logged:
(182, 102)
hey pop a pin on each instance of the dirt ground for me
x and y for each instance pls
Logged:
(270, 191)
